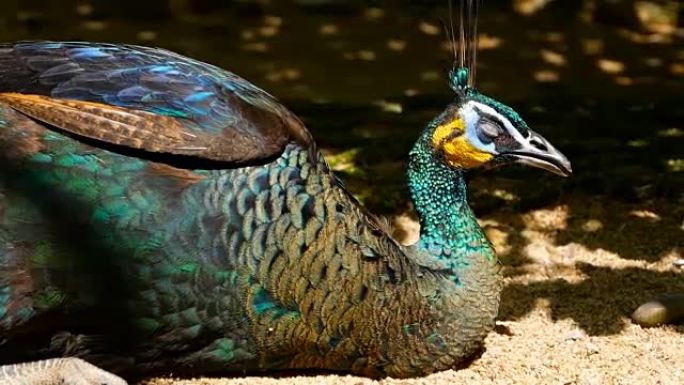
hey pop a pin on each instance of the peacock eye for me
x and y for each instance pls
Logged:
(489, 128)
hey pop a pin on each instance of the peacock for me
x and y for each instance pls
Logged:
(161, 214)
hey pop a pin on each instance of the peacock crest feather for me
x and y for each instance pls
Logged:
(462, 74)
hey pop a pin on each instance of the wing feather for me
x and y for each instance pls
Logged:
(146, 98)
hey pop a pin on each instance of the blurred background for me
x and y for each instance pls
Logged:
(602, 80)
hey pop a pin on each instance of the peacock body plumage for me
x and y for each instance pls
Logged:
(158, 213)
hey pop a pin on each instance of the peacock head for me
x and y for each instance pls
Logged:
(478, 131)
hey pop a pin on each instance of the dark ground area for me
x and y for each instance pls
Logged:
(604, 83)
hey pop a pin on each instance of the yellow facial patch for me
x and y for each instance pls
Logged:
(457, 150)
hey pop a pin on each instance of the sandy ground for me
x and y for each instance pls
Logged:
(574, 273)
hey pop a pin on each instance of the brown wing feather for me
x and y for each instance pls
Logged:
(140, 129)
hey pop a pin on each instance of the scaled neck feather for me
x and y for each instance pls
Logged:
(449, 229)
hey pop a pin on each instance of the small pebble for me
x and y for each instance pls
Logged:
(576, 335)
(668, 308)
(592, 349)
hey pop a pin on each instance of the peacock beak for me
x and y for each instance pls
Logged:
(537, 152)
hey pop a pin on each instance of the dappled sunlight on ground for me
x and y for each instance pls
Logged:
(359, 54)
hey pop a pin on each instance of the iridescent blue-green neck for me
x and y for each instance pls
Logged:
(448, 227)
